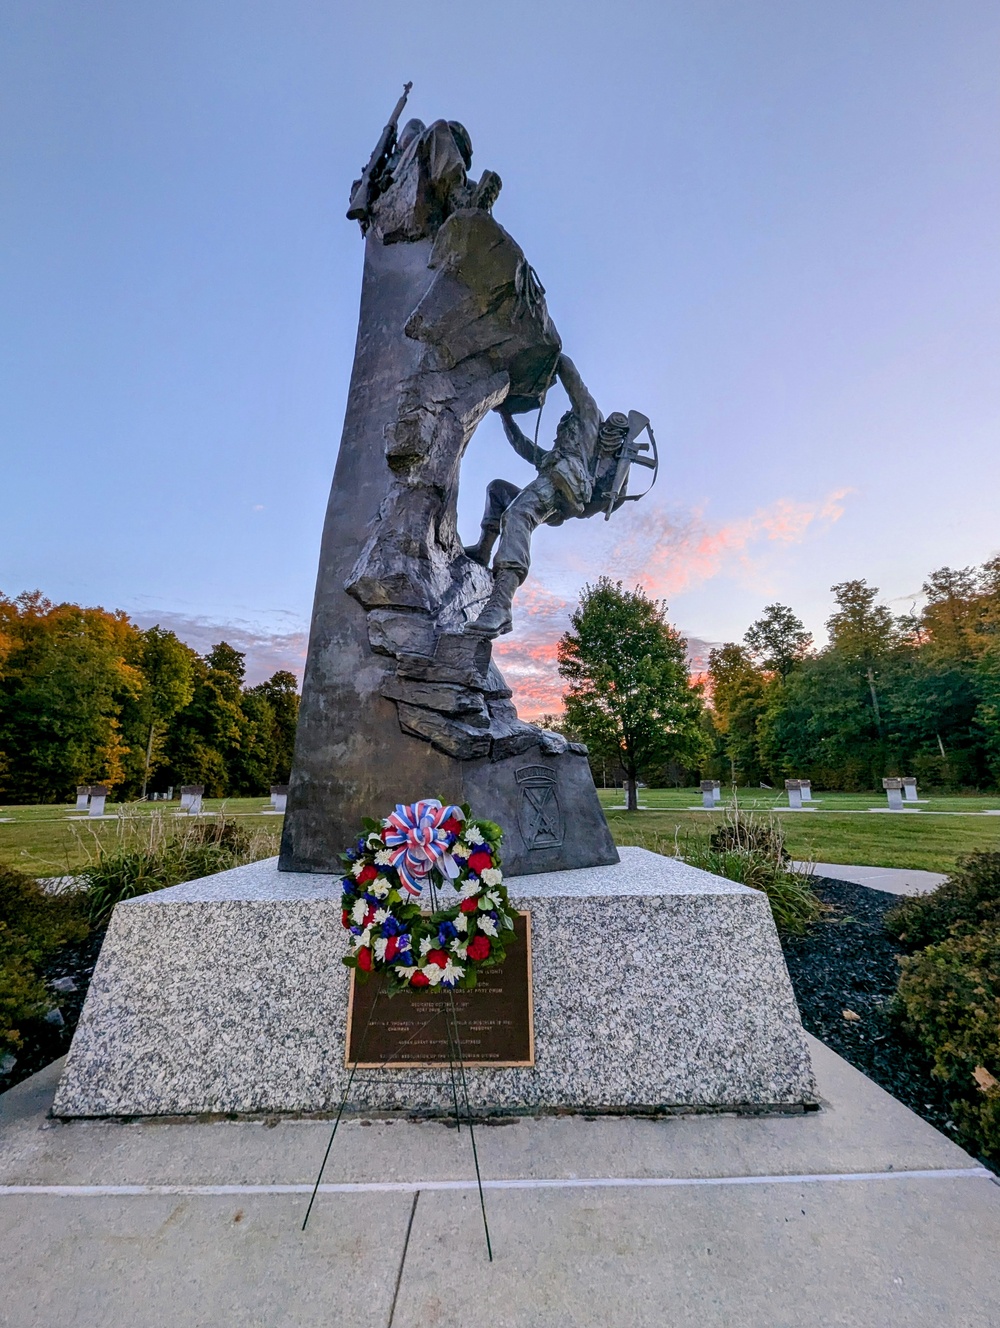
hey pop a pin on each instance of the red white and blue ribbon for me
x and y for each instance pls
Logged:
(418, 844)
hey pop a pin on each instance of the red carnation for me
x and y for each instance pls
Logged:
(345, 918)
(452, 826)
(467, 906)
(370, 915)
(365, 960)
(480, 861)
(420, 979)
(479, 948)
(367, 873)
(437, 957)
(392, 945)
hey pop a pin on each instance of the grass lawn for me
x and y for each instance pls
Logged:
(843, 830)
(51, 841)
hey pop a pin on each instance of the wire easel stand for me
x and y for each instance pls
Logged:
(455, 1080)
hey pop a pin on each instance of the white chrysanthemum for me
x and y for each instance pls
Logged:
(469, 889)
(488, 926)
(365, 938)
(434, 974)
(383, 858)
(452, 972)
(492, 875)
(461, 923)
(474, 835)
(459, 947)
(380, 887)
(358, 911)
(403, 972)
(380, 916)
(357, 869)
(380, 945)
(426, 945)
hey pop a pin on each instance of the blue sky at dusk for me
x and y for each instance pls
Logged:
(771, 226)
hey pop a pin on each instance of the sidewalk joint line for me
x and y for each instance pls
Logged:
(521, 1183)
(402, 1259)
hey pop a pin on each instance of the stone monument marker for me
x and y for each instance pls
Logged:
(401, 696)
(98, 797)
(82, 797)
(793, 787)
(894, 792)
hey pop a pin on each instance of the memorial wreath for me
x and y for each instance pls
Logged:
(426, 844)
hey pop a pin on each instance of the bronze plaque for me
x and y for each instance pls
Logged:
(495, 1021)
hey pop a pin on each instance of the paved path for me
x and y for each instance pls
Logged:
(860, 1214)
(893, 880)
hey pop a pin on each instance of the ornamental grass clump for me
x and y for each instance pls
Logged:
(749, 849)
(948, 997)
(149, 853)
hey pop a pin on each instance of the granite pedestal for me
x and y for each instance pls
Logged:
(655, 985)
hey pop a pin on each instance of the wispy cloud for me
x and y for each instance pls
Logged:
(666, 552)
(266, 651)
(669, 553)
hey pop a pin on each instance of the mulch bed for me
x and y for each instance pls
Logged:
(44, 1042)
(849, 962)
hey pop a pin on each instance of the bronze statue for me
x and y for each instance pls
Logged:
(401, 694)
(585, 472)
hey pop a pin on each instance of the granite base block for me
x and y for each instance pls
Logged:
(655, 985)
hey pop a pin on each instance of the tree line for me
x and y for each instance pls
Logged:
(916, 694)
(913, 694)
(88, 697)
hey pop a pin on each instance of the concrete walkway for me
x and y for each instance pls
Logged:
(860, 1214)
(893, 880)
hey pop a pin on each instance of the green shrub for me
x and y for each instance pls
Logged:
(969, 899)
(150, 854)
(949, 999)
(32, 925)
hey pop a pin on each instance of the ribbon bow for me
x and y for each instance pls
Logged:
(417, 843)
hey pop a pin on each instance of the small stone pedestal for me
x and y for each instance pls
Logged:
(656, 985)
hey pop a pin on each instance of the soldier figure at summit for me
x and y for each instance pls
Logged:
(576, 477)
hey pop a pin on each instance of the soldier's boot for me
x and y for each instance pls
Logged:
(481, 551)
(496, 617)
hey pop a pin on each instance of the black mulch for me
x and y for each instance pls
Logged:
(849, 962)
(42, 1040)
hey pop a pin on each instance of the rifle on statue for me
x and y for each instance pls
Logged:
(367, 189)
(628, 456)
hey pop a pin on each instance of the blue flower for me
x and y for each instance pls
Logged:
(372, 899)
(446, 932)
(348, 883)
(390, 927)
(356, 931)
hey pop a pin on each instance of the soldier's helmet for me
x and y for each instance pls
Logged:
(411, 130)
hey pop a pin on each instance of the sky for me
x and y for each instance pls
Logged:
(771, 226)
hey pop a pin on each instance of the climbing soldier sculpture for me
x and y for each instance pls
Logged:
(585, 472)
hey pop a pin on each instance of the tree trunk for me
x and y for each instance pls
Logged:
(149, 759)
(631, 794)
(871, 688)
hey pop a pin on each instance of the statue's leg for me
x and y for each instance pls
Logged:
(530, 509)
(499, 496)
